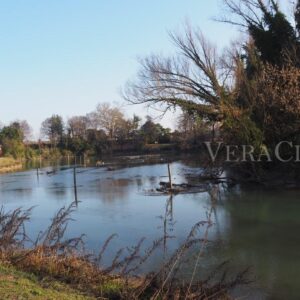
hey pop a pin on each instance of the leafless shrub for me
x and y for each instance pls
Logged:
(54, 257)
(12, 229)
(278, 98)
(104, 247)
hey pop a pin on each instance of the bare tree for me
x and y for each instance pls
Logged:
(108, 118)
(244, 12)
(25, 129)
(193, 80)
(53, 128)
(77, 126)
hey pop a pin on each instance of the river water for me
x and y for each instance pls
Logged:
(252, 227)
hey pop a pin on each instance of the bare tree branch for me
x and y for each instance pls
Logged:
(192, 80)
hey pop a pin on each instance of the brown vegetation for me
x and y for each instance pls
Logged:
(51, 256)
(9, 165)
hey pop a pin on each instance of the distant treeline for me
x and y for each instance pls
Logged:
(106, 130)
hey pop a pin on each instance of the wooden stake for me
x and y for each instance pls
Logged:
(75, 184)
(170, 177)
(37, 174)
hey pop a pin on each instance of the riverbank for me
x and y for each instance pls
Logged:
(8, 164)
(34, 274)
(54, 265)
(15, 284)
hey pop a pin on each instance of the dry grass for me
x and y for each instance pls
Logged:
(8, 164)
(64, 260)
(7, 161)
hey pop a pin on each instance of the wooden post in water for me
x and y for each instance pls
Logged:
(171, 207)
(37, 174)
(75, 185)
(170, 177)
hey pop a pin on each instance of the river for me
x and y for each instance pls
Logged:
(253, 227)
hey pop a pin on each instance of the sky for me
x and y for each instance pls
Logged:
(66, 56)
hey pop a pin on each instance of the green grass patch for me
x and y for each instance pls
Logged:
(19, 285)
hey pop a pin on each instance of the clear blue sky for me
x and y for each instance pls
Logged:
(65, 56)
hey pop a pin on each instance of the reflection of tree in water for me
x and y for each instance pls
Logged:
(168, 223)
(195, 160)
(152, 180)
(21, 192)
(57, 189)
(188, 263)
(139, 181)
(113, 189)
(144, 183)
(264, 234)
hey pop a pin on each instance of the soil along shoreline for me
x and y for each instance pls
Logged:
(8, 164)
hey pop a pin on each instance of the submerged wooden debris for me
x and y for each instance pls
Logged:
(166, 188)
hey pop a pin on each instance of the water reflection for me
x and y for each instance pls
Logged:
(264, 233)
(112, 190)
(251, 227)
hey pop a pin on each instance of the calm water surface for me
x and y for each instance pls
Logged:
(253, 227)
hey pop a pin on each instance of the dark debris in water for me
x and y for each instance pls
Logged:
(182, 188)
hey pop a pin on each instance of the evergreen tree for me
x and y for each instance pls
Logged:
(297, 18)
(273, 35)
